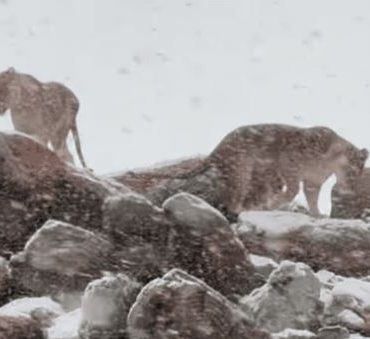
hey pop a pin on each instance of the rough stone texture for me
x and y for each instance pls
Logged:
(20, 328)
(105, 306)
(206, 185)
(349, 305)
(60, 256)
(36, 185)
(341, 246)
(214, 253)
(263, 265)
(139, 232)
(143, 180)
(181, 306)
(352, 205)
(188, 233)
(289, 299)
(5, 281)
(333, 332)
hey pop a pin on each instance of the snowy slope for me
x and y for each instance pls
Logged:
(163, 79)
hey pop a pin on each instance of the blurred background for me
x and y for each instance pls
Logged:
(166, 79)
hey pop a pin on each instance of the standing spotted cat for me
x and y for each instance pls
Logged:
(268, 162)
(46, 111)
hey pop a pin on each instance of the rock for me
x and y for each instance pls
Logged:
(289, 299)
(36, 186)
(294, 334)
(144, 180)
(333, 332)
(139, 232)
(5, 281)
(20, 328)
(352, 205)
(60, 256)
(29, 306)
(349, 305)
(357, 336)
(179, 305)
(187, 233)
(206, 185)
(208, 247)
(105, 306)
(263, 265)
(340, 246)
(66, 326)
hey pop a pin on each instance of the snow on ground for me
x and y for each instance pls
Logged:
(356, 288)
(66, 326)
(275, 223)
(24, 306)
(289, 333)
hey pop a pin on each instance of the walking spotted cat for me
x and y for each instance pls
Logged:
(46, 111)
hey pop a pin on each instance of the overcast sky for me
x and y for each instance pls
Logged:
(165, 79)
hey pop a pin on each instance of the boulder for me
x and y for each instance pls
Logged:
(140, 232)
(349, 305)
(179, 305)
(341, 246)
(208, 247)
(36, 186)
(20, 328)
(105, 306)
(289, 299)
(263, 265)
(60, 256)
(333, 332)
(66, 326)
(187, 233)
(206, 185)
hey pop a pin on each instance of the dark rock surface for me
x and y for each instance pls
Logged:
(181, 306)
(35, 185)
(60, 256)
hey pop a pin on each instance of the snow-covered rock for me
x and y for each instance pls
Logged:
(179, 305)
(105, 306)
(294, 334)
(349, 305)
(340, 246)
(61, 256)
(263, 265)
(357, 336)
(191, 211)
(66, 326)
(289, 299)
(27, 305)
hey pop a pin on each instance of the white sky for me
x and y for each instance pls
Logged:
(164, 79)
